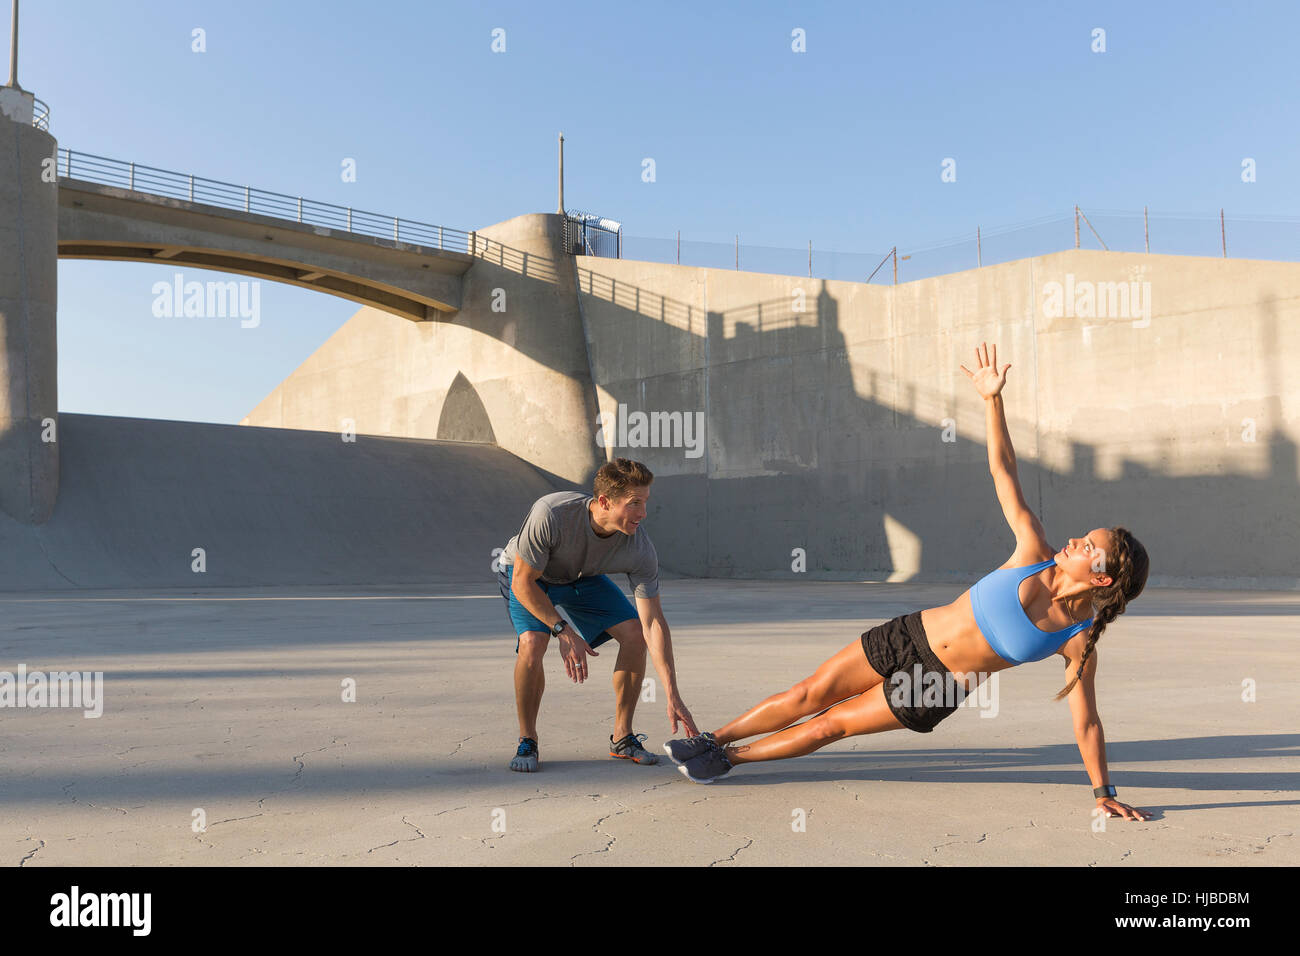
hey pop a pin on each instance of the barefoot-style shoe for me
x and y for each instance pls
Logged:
(708, 766)
(683, 750)
(629, 748)
(526, 756)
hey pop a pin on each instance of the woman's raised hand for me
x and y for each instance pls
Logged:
(989, 379)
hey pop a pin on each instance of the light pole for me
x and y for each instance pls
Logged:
(561, 209)
(13, 50)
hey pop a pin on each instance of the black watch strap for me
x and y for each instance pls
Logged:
(1106, 791)
(559, 627)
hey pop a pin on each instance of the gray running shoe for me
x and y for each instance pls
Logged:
(629, 748)
(708, 766)
(683, 750)
(526, 757)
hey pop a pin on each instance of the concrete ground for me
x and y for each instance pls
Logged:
(229, 702)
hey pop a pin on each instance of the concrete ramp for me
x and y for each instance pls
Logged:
(269, 507)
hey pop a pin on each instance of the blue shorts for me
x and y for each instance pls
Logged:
(592, 604)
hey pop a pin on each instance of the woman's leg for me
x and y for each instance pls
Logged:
(847, 674)
(865, 714)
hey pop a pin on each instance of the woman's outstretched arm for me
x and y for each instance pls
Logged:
(988, 381)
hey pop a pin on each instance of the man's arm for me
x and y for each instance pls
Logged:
(660, 644)
(1087, 727)
(573, 649)
(523, 582)
(658, 640)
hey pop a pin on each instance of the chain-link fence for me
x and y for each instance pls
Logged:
(1241, 237)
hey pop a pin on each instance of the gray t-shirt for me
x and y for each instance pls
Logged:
(558, 538)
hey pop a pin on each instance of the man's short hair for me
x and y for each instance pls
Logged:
(617, 478)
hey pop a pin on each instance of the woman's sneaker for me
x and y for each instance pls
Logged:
(708, 766)
(683, 750)
(629, 748)
(526, 756)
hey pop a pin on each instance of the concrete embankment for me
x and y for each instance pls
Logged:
(267, 506)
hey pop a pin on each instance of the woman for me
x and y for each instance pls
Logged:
(1041, 602)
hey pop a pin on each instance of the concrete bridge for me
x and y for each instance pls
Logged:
(111, 209)
(65, 204)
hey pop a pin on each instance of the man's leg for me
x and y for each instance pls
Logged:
(629, 673)
(530, 680)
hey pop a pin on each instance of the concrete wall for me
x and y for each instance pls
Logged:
(826, 405)
(826, 427)
(511, 367)
(268, 507)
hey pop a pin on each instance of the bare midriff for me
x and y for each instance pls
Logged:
(956, 640)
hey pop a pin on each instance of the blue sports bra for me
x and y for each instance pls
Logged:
(995, 599)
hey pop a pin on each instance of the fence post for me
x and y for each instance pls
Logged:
(894, 253)
(439, 229)
(979, 254)
(1223, 233)
(191, 187)
(473, 242)
(395, 222)
(248, 199)
(1076, 225)
(300, 209)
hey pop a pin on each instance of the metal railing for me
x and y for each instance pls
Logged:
(212, 192)
(40, 114)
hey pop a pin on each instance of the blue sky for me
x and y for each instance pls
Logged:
(841, 145)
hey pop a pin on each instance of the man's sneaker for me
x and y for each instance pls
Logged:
(629, 748)
(708, 766)
(683, 750)
(526, 756)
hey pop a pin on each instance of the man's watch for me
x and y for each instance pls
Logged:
(1106, 791)
(559, 627)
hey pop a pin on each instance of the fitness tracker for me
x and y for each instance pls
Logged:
(1106, 791)
(559, 627)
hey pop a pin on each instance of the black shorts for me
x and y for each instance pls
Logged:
(894, 650)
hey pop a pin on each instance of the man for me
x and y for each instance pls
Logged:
(560, 558)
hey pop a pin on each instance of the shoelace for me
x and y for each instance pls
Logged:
(526, 748)
(636, 741)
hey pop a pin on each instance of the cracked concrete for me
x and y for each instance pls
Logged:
(234, 706)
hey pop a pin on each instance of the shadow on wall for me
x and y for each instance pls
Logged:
(859, 474)
(463, 416)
